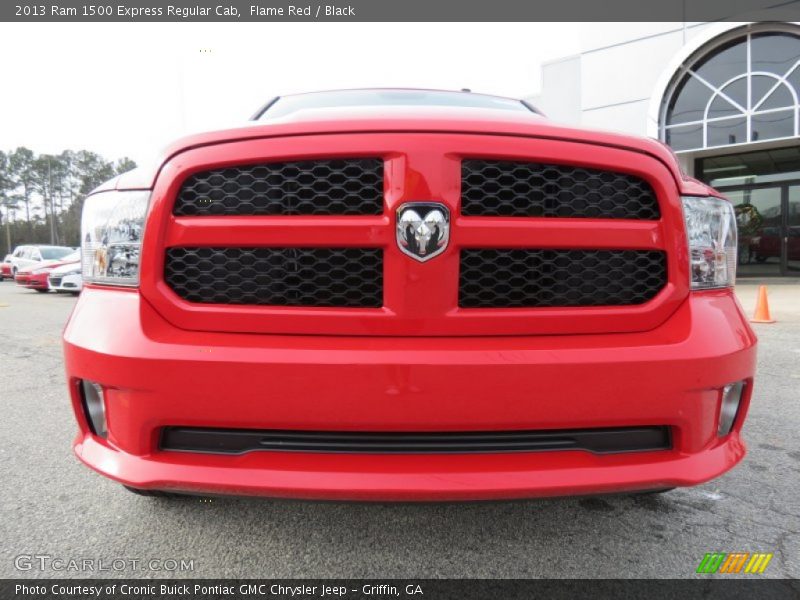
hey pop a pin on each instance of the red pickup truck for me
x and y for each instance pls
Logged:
(409, 295)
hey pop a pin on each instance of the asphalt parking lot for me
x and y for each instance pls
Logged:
(53, 506)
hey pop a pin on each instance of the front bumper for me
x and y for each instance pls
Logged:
(156, 376)
(39, 282)
(33, 281)
(66, 283)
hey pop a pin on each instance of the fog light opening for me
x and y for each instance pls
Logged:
(94, 406)
(729, 406)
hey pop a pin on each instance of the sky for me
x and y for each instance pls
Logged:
(128, 89)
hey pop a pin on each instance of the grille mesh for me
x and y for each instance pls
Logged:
(340, 277)
(313, 187)
(534, 278)
(493, 188)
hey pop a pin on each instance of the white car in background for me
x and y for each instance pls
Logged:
(31, 254)
(66, 278)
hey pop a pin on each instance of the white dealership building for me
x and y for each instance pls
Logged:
(724, 96)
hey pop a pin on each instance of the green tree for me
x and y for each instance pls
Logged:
(124, 164)
(21, 173)
(7, 203)
(51, 188)
(92, 170)
(6, 185)
(42, 182)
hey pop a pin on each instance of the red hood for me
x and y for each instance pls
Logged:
(432, 119)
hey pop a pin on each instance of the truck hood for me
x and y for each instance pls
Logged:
(429, 120)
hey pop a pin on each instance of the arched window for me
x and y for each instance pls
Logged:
(744, 89)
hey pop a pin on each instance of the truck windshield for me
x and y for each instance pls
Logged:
(286, 105)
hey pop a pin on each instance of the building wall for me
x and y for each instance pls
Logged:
(614, 75)
(561, 90)
(618, 79)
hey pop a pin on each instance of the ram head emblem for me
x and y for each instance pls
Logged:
(423, 229)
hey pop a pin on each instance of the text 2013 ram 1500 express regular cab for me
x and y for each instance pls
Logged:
(409, 295)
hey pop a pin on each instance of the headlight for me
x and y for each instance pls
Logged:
(112, 225)
(711, 229)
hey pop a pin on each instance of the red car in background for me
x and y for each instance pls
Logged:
(5, 268)
(35, 276)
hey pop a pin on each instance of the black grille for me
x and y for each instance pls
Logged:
(238, 441)
(531, 278)
(313, 187)
(345, 277)
(494, 188)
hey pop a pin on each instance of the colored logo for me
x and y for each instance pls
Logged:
(734, 562)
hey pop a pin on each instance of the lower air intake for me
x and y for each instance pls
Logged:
(239, 441)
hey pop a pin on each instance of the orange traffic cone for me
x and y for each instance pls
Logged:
(762, 307)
